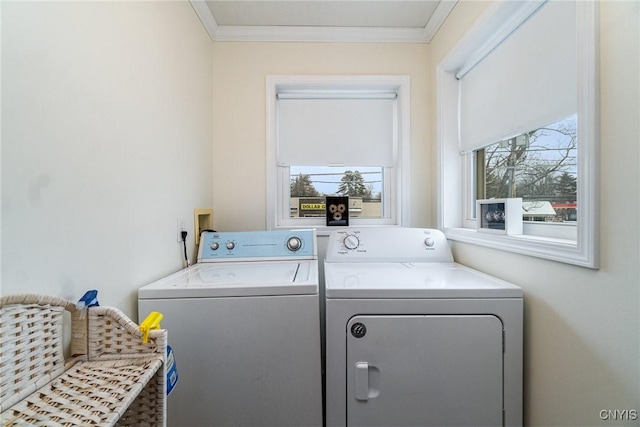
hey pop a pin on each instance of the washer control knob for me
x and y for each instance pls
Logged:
(429, 242)
(351, 242)
(294, 243)
(215, 246)
(230, 245)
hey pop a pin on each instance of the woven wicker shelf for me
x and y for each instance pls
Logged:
(112, 378)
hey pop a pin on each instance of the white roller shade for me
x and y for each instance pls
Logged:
(340, 131)
(528, 81)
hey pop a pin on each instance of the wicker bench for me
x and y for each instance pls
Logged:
(110, 379)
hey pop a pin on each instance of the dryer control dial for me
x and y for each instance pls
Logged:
(231, 245)
(351, 242)
(215, 246)
(429, 242)
(294, 243)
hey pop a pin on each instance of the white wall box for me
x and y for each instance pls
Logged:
(502, 216)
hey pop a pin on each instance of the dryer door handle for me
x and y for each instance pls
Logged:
(366, 381)
(362, 381)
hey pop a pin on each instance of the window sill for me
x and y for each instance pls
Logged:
(555, 249)
(323, 230)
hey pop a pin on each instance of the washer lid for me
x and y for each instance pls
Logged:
(237, 279)
(407, 280)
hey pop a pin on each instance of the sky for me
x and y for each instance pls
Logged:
(326, 179)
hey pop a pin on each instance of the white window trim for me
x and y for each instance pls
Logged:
(453, 170)
(277, 185)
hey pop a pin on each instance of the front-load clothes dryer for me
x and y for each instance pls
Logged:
(244, 327)
(415, 339)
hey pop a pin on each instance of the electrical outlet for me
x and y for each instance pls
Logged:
(181, 228)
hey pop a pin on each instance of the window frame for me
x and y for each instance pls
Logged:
(456, 184)
(395, 179)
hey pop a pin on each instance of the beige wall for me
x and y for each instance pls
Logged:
(239, 145)
(582, 327)
(106, 141)
(107, 113)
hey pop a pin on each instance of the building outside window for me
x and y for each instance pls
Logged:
(310, 185)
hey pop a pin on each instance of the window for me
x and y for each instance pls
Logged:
(517, 117)
(310, 184)
(337, 136)
(539, 166)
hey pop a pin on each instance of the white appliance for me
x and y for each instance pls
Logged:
(244, 327)
(415, 339)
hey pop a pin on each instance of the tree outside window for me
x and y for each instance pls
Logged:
(538, 166)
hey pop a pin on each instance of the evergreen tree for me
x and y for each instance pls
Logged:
(352, 184)
(566, 187)
(301, 186)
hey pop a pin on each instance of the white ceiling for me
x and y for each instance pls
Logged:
(323, 20)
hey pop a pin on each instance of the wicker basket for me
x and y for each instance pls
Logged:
(112, 379)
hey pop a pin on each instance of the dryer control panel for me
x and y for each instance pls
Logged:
(392, 244)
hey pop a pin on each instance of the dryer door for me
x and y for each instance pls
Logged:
(424, 370)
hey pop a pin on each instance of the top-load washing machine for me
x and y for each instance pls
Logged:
(244, 327)
(415, 339)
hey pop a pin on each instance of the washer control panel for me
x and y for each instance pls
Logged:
(257, 245)
(390, 244)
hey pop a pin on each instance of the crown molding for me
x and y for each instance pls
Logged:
(321, 34)
(437, 19)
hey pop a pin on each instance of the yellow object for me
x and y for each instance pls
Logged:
(312, 206)
(151, 322)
